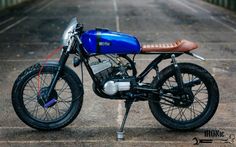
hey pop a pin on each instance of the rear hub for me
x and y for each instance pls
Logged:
(186, 98)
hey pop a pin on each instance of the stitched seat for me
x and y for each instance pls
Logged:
(178, 46)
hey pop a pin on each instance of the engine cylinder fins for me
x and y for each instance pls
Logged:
(98, 67)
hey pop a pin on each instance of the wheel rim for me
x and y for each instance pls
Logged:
(54, 112)
(188, 111)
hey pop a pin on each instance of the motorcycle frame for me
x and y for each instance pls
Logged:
(76, 47)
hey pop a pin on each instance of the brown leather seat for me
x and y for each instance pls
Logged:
(178, 46)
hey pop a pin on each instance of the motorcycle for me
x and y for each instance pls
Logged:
(49, 95)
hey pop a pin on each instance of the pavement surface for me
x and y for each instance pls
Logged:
(32, 31)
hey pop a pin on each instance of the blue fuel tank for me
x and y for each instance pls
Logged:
(103, 41)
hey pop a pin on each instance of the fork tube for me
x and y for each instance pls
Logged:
(178, 76)
(62, 62)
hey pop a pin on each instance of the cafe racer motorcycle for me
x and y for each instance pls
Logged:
(49, 95)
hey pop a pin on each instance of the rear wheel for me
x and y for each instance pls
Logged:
(189, 109)
(35, 109)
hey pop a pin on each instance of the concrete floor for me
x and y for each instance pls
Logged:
(30, 33)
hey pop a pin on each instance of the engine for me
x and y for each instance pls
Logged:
(111, 78)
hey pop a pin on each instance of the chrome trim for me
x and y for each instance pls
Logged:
(198, 57)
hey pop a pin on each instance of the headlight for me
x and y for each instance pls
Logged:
(68, 31)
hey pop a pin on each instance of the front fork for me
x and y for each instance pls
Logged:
(62, 62)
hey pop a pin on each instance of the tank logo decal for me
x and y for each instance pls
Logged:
(104, 43)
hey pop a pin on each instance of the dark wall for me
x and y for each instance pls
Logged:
(229, 4)
(9, 3)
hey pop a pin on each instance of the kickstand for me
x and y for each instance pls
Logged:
(120, 133)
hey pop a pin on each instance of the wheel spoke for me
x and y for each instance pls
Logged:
(183, 114)
(193, 110)
(179, 114)
(63, 88)
(29, 96)
(58, 110)
(35, 88)
(32, 87)
(199, 89)
(35, 109)
(202, 104)
(43, 82)
(27, 102)
(166, 85)
(171, 109)
(47, 115)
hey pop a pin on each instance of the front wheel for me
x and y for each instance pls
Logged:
(37, 110)
(187, 109)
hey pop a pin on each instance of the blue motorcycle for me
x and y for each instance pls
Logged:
(49, 95)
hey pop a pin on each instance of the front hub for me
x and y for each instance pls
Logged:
(45, 101)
